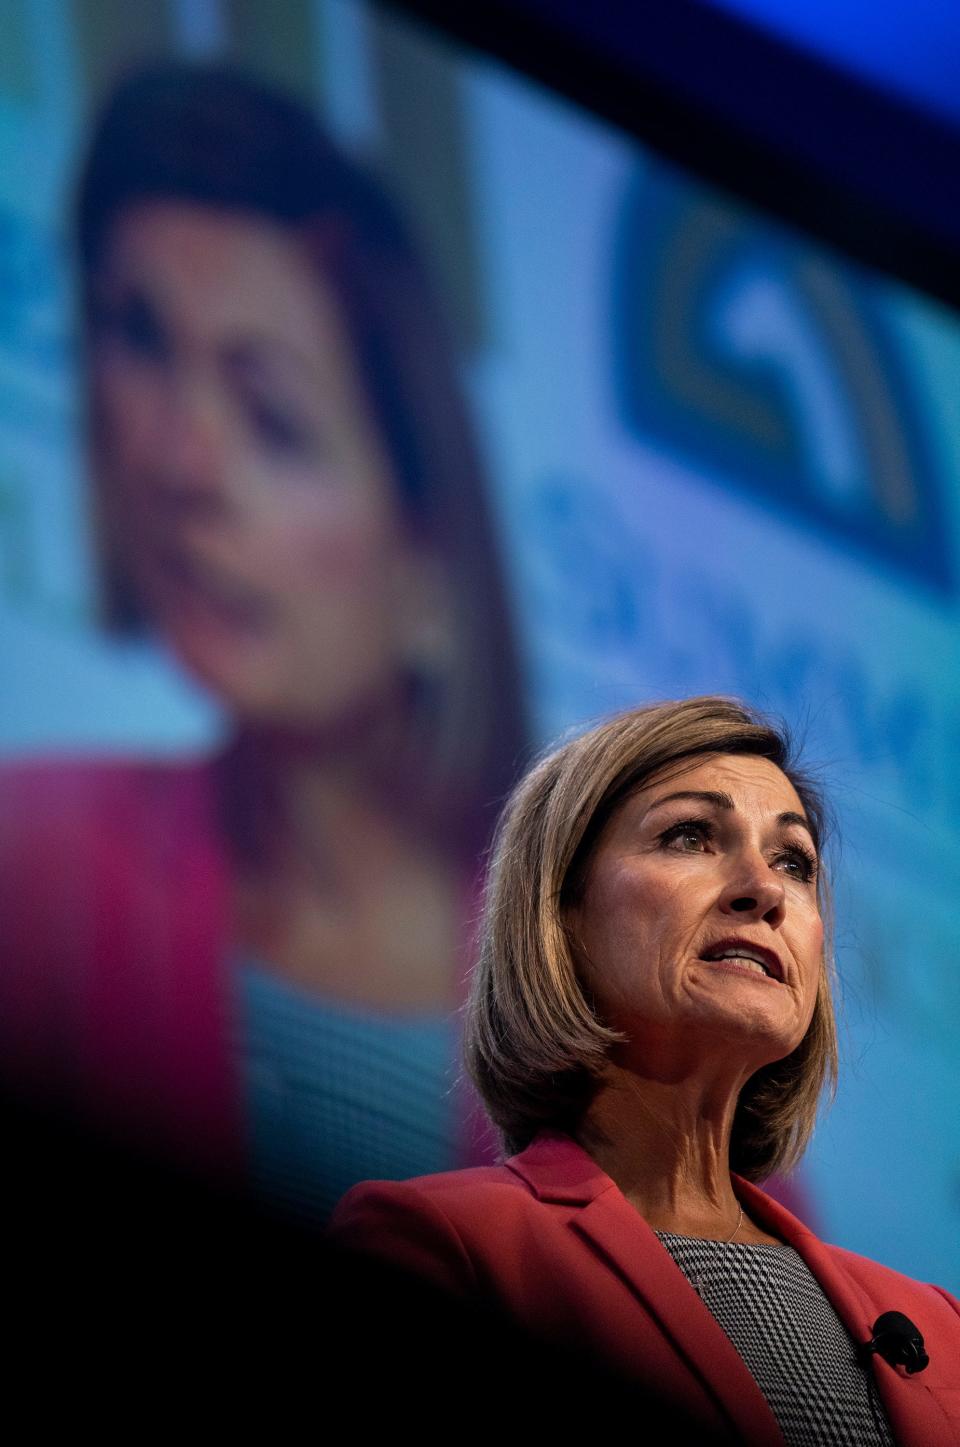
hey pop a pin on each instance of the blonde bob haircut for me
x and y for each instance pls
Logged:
(535, 1047)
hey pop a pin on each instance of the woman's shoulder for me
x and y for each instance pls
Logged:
(895, 1286)
(444, 1195)
(550, 1169)
(429, 1225)
(76, 830)
(68, 797)
(39, 776)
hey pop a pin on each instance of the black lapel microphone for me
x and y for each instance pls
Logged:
(898, 1341)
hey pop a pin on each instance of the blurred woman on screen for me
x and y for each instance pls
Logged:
(259, 955)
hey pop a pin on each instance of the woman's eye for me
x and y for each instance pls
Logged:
(277, 429)
(799, 865)
(133, 324)
(688, 838)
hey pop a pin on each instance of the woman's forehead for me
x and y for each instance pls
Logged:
(746, 782)
(226, 274)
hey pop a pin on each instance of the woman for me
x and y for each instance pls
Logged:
(257, 958)
(651, 1028)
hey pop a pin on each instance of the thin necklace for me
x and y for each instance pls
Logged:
(735, 1229)
(696, 1280)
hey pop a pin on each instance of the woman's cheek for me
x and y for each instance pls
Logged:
(338, 539)
(128, 409)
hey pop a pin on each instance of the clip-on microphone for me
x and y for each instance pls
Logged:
(898, 1341)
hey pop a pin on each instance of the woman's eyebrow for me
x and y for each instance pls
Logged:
(254, 352)
(790, 816)
(720, 800)
(703, 796)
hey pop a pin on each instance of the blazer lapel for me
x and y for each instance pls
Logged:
(914, 1413)
(558, 1170)
(633, 1250)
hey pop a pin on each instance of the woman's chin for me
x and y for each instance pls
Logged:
(236, 670)
(261, 698)
(762, 1027)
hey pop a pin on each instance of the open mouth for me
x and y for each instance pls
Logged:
(754, 958)
(202, 586)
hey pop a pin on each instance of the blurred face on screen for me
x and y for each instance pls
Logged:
(241, 470)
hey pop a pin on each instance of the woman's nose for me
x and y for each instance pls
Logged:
(754, 891)
(191, 465)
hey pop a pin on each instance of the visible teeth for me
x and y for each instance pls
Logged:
(742, 960)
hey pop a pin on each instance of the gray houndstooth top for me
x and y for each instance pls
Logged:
(798, 1350)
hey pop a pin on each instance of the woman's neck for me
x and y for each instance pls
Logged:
(301, 802)
(332, 886)
(666, 1144)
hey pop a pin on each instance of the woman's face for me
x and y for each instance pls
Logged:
(699, 932)
(243, 478)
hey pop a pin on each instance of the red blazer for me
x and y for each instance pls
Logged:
(113, 910)
(550, 1239)
(115, 988)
